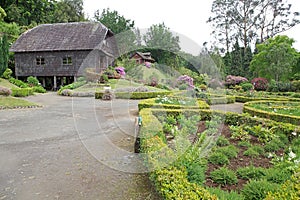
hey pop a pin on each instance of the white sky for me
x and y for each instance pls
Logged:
(185, 17)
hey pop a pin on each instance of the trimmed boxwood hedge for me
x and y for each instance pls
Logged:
(269, 115)
(22, 92)
(221, 100)
(170, 181)
(244, 99)
(134, 95)
(150, 103)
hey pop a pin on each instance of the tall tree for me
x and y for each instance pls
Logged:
(276, 58)
(4, 54)
(251, 19)
(163, 45)
(113, 20)
(68, 11)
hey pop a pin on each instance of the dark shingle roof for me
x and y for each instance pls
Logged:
(61, 36)
(146, 56)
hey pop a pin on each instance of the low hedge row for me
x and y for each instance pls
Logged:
(171, 181)
(150, 103)
(269, 115)
(244, 99)
(22, 92)
(221, 100)
(134, 95)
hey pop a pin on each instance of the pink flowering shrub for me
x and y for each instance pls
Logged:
(120, 70)
(5, 91)
(185, 79)
(148, 64)
(260, 84)
(234, 80)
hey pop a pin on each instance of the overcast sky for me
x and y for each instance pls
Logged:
(185, 17)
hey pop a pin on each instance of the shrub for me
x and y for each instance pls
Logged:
(39, 89)
(5, 91)
(18, 83)
(183, 86)
(196, 173)
(7, 73)
(238, 133)
(224, 176)
(278, 175)
(244, 143)
(250, 172)
(252, 152)
(247, 86)
(225, 195)
(260, 84)
(32, 81)
(229, 151)
(22, 92)
(222, 141)
(257, 190)
(234, 80)
(295, 86)
(218, 158)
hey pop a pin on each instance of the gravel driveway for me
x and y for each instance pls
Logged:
(71, 148)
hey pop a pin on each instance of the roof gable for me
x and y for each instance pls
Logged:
(61, 36)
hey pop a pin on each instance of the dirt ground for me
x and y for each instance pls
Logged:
(71, 148)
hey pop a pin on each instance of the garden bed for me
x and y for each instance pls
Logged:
(244, 158)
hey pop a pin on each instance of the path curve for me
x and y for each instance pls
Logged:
(42, 156)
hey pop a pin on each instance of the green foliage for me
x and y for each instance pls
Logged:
(238, 133)
(32, 81)
(222, 141)
(196, 173)
(250, 172)
(278, 175)
(68, 11)
(225, 195)
(7, 73)
(72, 86)
(224, 176)
(230, 151)
(136, 95)
(254, 151)
(39, 89)
(295, 86)
(275, 59)
(218, 158)
(21, 92)
(289, 190)
(244, 143)
(2, 14)
(246, 86)
(18, 83)
(257, 190)
(3, 53)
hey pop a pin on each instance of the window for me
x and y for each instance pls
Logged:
(67, 61)
(40, 61)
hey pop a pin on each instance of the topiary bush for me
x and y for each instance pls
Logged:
(39, 89)
(224, 176)
(260, 84)
(18, 83)
(22, 92)
(7, 73)
(32, 81)
(5, 91)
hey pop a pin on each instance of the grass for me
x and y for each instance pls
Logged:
(288, 108)
(12, 102)
(114, 84)
(7, 84)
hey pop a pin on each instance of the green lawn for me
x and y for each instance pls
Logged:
(12, 102)
(6, 83)
(114, 84)
(288, 108)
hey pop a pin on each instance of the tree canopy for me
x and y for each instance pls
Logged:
(275, 59)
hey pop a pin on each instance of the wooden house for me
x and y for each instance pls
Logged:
(58, 53)
(141, 58)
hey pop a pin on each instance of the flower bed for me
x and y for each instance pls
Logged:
(180, 158)
(282, 111)
(171, 102)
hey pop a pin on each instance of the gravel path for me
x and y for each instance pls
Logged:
(71, 148)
